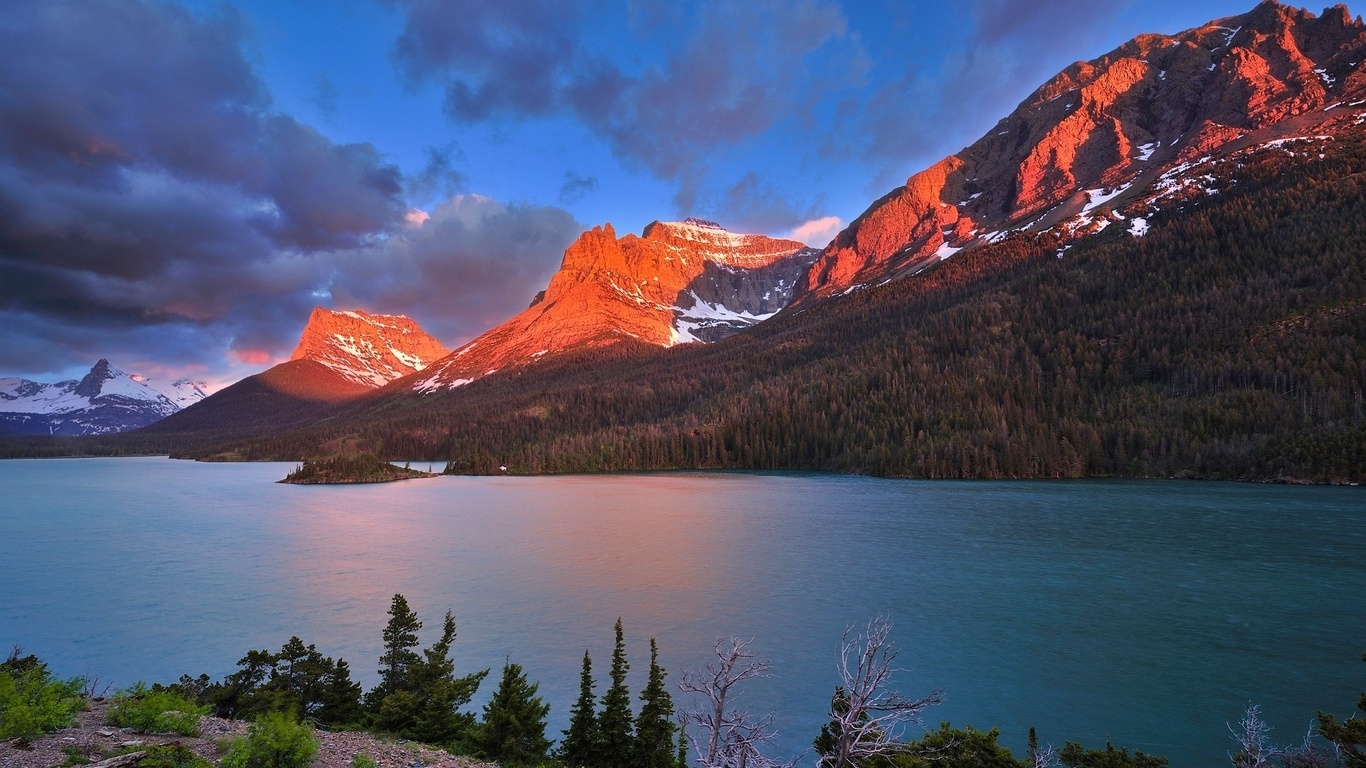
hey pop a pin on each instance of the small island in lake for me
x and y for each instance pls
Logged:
(352, 468)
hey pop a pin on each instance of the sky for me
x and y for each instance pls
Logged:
(181, 182)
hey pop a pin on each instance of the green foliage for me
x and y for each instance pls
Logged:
(74, 756)
(655, 726)
(579, 747)
(827, 741)
(172, 756)
(1348, 735)
(274, 740)
(1074, 755)
(362, 760)
(616, 743)
(419, 696)
(512, 732)
(951, 747)
(155, 710)
(32, 701)
(298, 679)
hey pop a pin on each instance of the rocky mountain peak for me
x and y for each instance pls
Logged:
(676, 282)
(93, 382)
(1117, 122)
(368, 349)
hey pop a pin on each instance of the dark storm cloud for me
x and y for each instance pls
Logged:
(439, 178)
(576, 187)
(505, 57)
(751, 206)
(150, 195)
(730, 69)
(473, 263)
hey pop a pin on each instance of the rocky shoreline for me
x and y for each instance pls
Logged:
(92, 739)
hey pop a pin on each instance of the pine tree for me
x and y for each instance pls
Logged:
(440, 694)
(579, 747)
(614, 724)
(513, 730)
(654, 747)
(400, 638)
(340, 703)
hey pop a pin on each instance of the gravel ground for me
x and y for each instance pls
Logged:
(92, 739)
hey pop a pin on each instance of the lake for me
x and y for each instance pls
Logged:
(1144, 612)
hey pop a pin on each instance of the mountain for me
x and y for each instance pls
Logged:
(104, 401)
(341, 357)
(678, 282)
(367, 349)
(1130, 127)
(1156, 266)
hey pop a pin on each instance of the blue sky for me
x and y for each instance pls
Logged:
(180, 182)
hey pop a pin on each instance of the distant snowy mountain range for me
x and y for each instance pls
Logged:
(106, 400)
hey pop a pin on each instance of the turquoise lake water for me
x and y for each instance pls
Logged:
(1144, 612)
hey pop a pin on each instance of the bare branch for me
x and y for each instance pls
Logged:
(868, 719)
(731, 737)
(1254, 749)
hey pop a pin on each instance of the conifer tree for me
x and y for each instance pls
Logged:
(513, 730)
(340, 704)
(614, 724)
(400, 638)
(579, 747)
(419, 697)
(654, 743)
(440, 694)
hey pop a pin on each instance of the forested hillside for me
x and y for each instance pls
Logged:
(1226, 342)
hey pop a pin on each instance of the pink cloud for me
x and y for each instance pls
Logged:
(817, 232)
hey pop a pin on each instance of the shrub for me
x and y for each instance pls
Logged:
(362, 760)
(155, 710)
(172, 756)
(32, 702)
(275, 740)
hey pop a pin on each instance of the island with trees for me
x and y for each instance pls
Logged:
(349, 469)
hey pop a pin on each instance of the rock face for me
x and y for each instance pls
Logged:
(1107, 130)
(104, 401)
(370, 350)
(677, 282)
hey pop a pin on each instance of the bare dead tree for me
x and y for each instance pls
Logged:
(1254, 749)
(725, 736)
(1308, 754)
(1044, 758)
(867, 718)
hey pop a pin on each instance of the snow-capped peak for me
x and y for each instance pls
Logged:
(104, 401)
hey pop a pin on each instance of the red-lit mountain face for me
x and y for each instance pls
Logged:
(366, 349)
(678, 282)
(1111, 139)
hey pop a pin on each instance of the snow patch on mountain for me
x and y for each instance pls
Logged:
(367, 349)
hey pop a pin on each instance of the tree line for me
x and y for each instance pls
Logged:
(421, 697)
